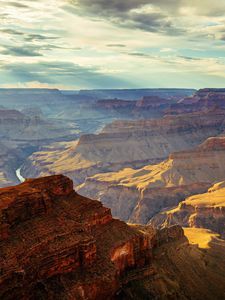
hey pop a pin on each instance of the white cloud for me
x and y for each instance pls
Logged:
(165, 39)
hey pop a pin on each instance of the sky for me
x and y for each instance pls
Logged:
(86, 44)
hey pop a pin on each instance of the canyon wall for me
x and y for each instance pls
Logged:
(125, 144)
(55, 244)
(136, 195)
(199, 211)
(202, 100)
(50, 235)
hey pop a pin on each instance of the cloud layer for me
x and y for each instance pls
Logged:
(101, 43)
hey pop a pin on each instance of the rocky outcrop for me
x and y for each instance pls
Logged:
(199, 211)
(51, 236)
(115, 104)
(125, 144)
(15, 125)
(202, 100)
(21, 133)
(136, 195)
(147, 107)
(179, 266)
(130, 94)
(55, 244)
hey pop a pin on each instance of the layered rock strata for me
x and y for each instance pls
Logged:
(146, 107)
(125, 144)
(136, 195)
(202, 100)
(55, 244)
(199, 211)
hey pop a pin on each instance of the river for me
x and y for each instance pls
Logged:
(19, 176)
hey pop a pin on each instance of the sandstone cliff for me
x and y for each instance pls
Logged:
(184, 261)
(202, 211)
(138, 194)
(55, 244)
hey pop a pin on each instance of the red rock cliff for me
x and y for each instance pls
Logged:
(51, 235)
(58, 245)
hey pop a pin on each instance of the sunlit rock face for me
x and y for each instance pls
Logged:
(136, 195)
(55, 244)
(205, 210)
(49, 233)
(125, 144)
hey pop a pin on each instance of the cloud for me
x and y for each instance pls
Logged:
(120, 42)
(188, 58)
(107, 7)
(61, 73)
(115, 7)
(14, 4)
(140, 54)
(21, 51)
(173, 17)
(29, 49)
(139, 14)
(116, 45)
(30, 37)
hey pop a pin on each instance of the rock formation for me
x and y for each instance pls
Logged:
(130, 94)
(147, 107)
(55, 244)
(136, 195)
(202, 100)
(21, 134)
(18, 126)
(183, 261)
(202, 211)
(125, 144)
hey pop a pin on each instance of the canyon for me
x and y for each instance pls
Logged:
(32, 119)
(18, 126)
(23, 132)
(56, 244)
(123, 144)
(137, 195)
(153, 158)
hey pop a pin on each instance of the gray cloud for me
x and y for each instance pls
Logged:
(125, 14)
(153, 22)
(113, 5)
(59, 73)
(21, 51)
(189, 58)
(162, 18)
(29, 49)
(31, 37)
(140, 54)
(12, 31)
(206, 7)
(116, 45)
(15, 4)
(30, 44)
